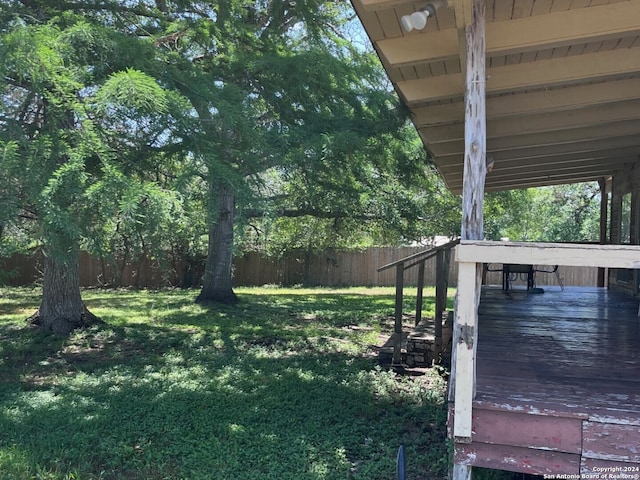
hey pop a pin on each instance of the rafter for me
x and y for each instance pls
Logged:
(540, 123)
(541, 101)
(375, 5)
(552, 162)
(556, 71)
(572, 139)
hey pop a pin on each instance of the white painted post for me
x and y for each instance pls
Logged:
(466, 336)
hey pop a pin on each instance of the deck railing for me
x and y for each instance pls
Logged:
(470, 256)
(443, 261)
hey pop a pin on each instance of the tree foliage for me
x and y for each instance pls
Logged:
(562, 213)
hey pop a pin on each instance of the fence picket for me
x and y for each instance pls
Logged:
(254, 269)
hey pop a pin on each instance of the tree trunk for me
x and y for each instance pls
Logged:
(62, 309)
(217, 283)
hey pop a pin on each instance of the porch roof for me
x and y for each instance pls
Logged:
(563, 85)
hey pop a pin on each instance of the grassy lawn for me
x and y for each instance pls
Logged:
(285, 385)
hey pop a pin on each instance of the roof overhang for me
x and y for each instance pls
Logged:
(562, 90)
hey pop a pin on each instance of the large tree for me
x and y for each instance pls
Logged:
(280, 92)
(77, 118)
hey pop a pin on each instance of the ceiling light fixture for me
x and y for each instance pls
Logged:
(418, 20)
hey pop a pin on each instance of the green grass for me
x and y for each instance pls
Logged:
(284, 385)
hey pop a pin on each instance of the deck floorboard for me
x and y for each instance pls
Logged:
(580, 346)
(573, 354)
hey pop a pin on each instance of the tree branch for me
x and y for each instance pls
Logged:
(311, 212)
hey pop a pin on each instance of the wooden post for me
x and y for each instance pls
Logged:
(475, 129)
(604, 201)
(470, 274)
(442, 281)
(420, 293)
(397, 336)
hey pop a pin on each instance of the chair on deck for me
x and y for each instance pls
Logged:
(511, 272)
(555, 271)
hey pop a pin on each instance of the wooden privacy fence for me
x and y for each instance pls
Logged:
(361, 268)
(331, 268)
(255, 269)
(27, 269)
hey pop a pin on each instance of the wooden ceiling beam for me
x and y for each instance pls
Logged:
(563, 70)
(542, 182)
(560, 181)
(558, 29)
(522, 183)
(426, 47)
(578, 148)
(564, 28)
(376, 5)
(531, 183)
(550, 164)
(571, 138)
(542, 177)
(550, 122)
(523, 76)
(514, 174)
(602, 168)
(596, 171)
(449, 165)
(541, 101)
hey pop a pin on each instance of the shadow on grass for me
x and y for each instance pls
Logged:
(211, 394)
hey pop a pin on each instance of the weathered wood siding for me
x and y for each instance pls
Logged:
(606, 441)
(529, 431)
(510, 458)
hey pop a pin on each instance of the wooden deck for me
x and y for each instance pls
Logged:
(558, 384)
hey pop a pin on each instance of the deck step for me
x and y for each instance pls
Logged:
(418, 346)
(421, 344)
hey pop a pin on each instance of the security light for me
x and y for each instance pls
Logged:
(418, 20)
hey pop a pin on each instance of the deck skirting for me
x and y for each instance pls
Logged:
(549, 445)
